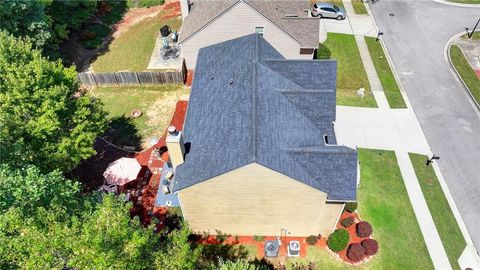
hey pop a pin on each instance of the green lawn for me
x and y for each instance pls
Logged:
(351, 74)
(132, 49)
(447, 226)
(359, 7)
(383, 201)
(157, 104)
(389, 84)
(466, 72)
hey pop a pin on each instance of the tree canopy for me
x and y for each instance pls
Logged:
(44, 119)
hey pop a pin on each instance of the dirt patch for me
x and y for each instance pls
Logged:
(136, 15)
(160, 112)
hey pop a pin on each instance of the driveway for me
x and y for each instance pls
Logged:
(415, 33)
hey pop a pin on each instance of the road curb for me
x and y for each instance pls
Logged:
(444, 2)
(437, 170)
(446, 51)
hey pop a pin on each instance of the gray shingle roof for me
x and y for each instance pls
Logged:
(304, 29)
(248, 104)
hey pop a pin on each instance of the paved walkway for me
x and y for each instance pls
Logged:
(372, 75)
(396, 129)
(420, 208)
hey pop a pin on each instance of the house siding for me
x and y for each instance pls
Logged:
(255, 200)
(239, 21)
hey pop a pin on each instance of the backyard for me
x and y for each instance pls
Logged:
(351, 74)
(442, 215)
(389, 84)
(156, 104)
(465, 71)
(132, 49)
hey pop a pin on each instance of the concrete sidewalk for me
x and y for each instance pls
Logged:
(420, 208)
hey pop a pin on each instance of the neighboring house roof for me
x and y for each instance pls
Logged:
(289, 16)
(248, 104)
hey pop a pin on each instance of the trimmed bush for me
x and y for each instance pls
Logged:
(323, 52)
(311, 240)
(347, 222)
(338, 240)
(355, 252)
(370, 246)
(351, 207)
(364, 229)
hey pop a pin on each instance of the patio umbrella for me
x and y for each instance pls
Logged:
(122, 171)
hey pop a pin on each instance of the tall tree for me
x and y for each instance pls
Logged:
(44, 119)
(25, 18)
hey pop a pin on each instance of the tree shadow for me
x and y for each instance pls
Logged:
(123, 132)
(218, 248)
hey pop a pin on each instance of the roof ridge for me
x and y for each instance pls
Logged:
(254, 99)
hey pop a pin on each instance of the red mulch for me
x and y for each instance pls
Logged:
(354, 238)
(145, 208)
(189, 80)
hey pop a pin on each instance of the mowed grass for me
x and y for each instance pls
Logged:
(383, 202)
(132, 49)
(157, 104)
(466, 72)
(389, 84)
(442, 215)
(351, 74)
(359, 7)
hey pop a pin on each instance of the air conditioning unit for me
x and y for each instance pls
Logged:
(165, 189)
(271, 248)
(169, 175)
(294, 249)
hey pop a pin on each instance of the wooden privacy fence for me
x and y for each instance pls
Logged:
(131, 78)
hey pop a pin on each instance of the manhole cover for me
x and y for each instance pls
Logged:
(391, 14)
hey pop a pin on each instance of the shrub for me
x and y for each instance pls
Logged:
(347, 222)
(351, 207)
(355, 252)
(311, 240)
(370, 246)
(322, 52)
(338, 240)
(258, 238)
(364, 229)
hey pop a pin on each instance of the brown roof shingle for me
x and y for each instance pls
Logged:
(290, 16)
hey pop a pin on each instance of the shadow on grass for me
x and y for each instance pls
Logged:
(123, 132)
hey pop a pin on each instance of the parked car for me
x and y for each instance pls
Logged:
(328, 10)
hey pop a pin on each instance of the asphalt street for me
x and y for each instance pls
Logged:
(415, 33)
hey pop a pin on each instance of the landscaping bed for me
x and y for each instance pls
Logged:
(385, 74)
(156, 104)
(465, 71)
(351, 74)
(445, 222)
(132, 49)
